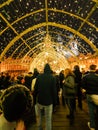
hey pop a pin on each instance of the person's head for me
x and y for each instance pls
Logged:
(68, 71)
(62, 71)
(47, 68)
(76, 68)
(16, 101)
(92, 67)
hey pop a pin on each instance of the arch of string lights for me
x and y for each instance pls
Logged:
(71, 24)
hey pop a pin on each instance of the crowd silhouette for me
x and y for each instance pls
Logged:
(47, 91)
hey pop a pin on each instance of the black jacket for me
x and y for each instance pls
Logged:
(45, 87)
(90, 83)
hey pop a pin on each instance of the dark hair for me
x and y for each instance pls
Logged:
(76, 67)
(16, 101)
(92, 67)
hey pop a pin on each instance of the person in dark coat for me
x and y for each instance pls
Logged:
(90, 84)
(6, 81)
(28, 80)
(29, 77)
(78, 77)
(61, 78)
(45, 91)
(57, 90)
(36, 73)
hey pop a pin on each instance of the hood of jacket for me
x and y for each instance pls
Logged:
(47, 69)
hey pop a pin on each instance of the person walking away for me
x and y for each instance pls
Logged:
(78, 77)
(57, 90)
(45, 91)
(90, 84)
(61, 78)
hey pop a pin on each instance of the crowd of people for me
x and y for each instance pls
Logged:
(23, 95)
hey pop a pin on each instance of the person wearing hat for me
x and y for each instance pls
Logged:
(16, 103)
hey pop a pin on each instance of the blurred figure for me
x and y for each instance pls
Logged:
(61, 78)
(57, 90)
(78, 77)
(20, 79)
(35, 73)
(96, 71)
(45, 92)
(2, 77)
(28, 80)
(16, 104)
(29, 77)
(90, 84)
(34, 77)
(69, 93)
(6, 81)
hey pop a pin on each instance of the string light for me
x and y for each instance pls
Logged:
(69, 13)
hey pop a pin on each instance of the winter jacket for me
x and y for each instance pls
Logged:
(90, 83)
(69, 82)
(45, 87)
